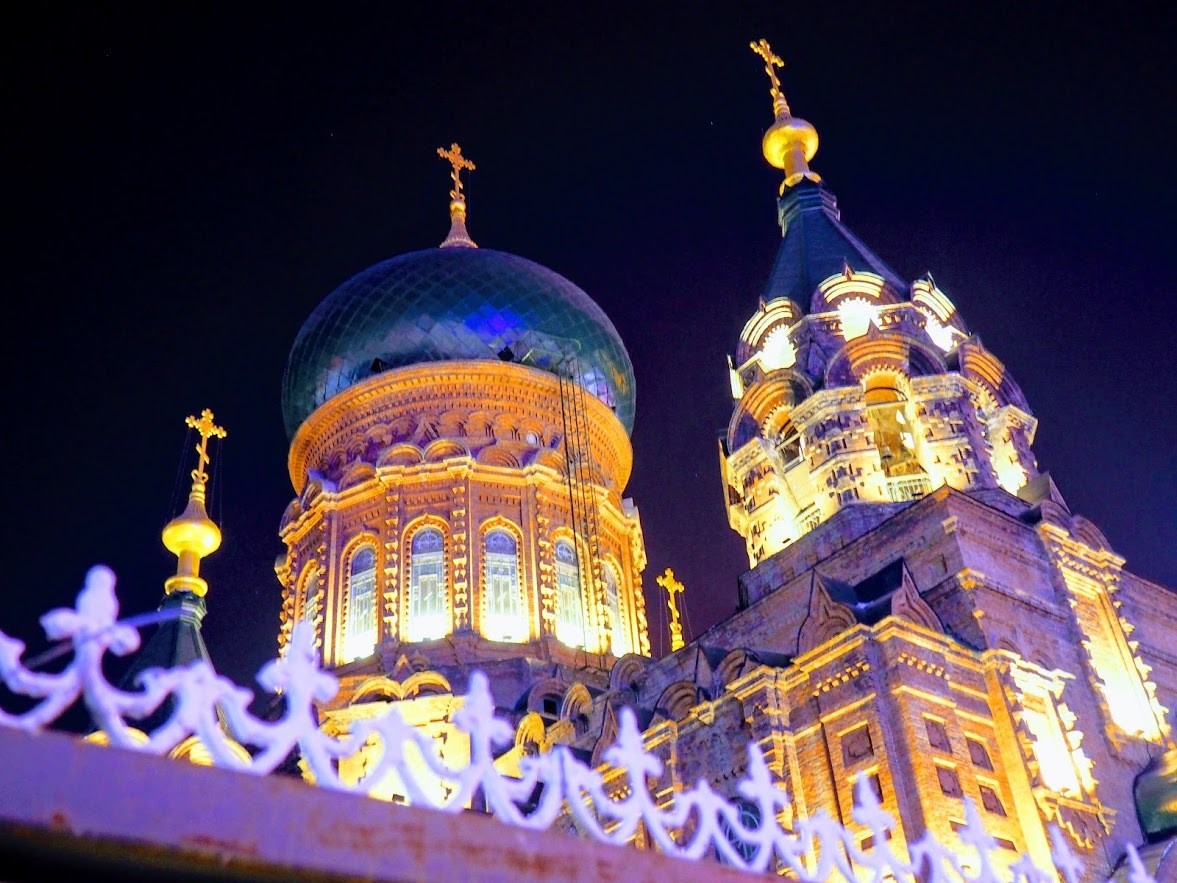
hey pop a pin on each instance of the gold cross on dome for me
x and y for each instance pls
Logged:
(771, 62)
(459, 162)
(673, 587)
(207, 429)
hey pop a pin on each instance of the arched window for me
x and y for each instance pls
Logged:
(504, 619)
(310, 594)
(360, 635)
(749, 821)
(788, 444)
(569, 603)
(886, 409)
(620, 634)
(427, 586)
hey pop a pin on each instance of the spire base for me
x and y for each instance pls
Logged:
(186, 583)
(458, 237)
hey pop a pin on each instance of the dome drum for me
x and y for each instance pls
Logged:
(495, 413)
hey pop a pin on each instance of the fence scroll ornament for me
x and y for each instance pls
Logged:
(700, 823)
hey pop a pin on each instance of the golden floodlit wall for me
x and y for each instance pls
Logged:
(461, 453)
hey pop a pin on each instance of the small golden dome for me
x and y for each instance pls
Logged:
(192, 531)
(786, 137)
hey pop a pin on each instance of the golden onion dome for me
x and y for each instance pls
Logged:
(789, 136)
(192, 531)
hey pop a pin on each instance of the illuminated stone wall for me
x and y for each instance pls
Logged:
(875, 396)
(936, 649)
(462, 451)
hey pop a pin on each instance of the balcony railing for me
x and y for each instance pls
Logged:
(809, 520)
(907, 487)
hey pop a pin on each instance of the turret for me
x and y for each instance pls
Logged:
(851, 386)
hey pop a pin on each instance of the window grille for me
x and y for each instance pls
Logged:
(360, 624)
(504, 601)
(427, 586)
(569, 602)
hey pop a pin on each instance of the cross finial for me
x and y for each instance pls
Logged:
(673, 587)
(771, 62)
(207, 429)
(458, 235)
(459, 162)
(192, 535)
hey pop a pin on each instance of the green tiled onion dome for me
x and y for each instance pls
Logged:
(441, 304)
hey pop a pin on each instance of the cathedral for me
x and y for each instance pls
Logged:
(921, 607)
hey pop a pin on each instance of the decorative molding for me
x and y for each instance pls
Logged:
(844, 676)
(826, 620)
(908, 603)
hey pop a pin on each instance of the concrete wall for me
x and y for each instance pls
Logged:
(70, 810)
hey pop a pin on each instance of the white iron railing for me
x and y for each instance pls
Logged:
(699, 824)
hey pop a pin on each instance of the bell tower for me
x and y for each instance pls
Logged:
(851, 387)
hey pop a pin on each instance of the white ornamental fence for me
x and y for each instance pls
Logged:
(699, 824)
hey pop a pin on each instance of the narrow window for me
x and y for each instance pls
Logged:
(308, 602)
(937, 735)
(949, 782)
(569, 603)
(979, 755)
(857, 745)
(308, 594)
(876, 785)
(427, 586)
(894, 438)
(991, 801)
(788, 444)
(504, 600)
(873, 782)
(360, 636)
(620, 639)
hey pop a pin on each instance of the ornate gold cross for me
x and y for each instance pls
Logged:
(459, 162)
(207, 429)
(673, 587)
(771, 62)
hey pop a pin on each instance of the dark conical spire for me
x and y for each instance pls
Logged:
(177, 643)
(190, 536)
(816, 244)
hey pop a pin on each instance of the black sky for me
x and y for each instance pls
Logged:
(182, 187)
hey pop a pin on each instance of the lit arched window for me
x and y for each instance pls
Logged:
(427, 586)
(569, 603)
(894, 435)
(620, 637)
(504, 620)
(307, 595)
(360, 635)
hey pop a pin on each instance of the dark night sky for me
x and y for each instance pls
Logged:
(183, 187)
